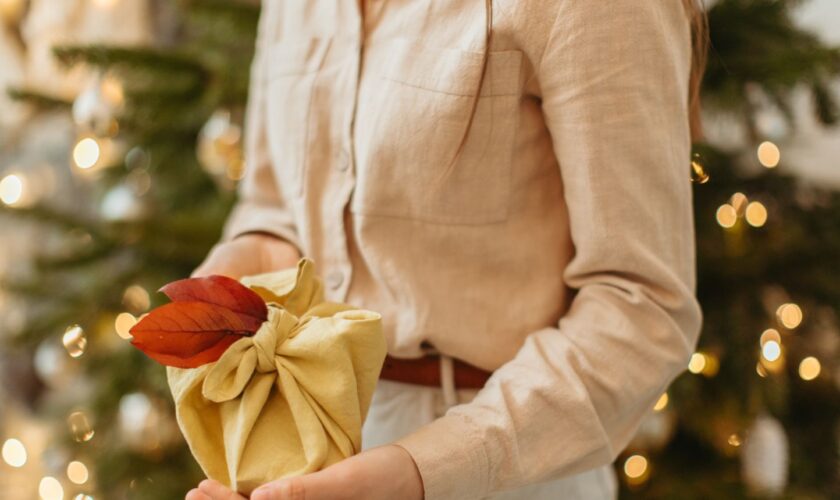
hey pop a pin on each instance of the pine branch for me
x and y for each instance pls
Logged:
(149, 69)
(37, 99)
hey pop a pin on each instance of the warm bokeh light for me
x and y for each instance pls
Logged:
(770, 334)
(77, 472)
(734, 440)
(636, 469)
(105, 3)
(756, 214)
(739, 203)
(711, 365)
(698, 173)
(50, 489)
(136, 299)
(80, 427)
(726, 215)
(123, 324)
(661, 403)
(760, 370)
(771, 350)
(697, 363)
(809, 368)
(11, 189)
(789, 315)
(14, 453)
(74, 341)
(112, 90)
(86, 153)
(769, 154)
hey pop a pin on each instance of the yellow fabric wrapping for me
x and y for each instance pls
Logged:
(292, 398)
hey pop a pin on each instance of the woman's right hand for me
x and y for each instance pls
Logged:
(248, 254)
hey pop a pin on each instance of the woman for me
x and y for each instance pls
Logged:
(508, 184)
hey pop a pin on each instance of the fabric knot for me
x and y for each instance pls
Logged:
(248, 356)
(272, 333)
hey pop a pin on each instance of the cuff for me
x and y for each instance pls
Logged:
(450, 455)
(251, 218)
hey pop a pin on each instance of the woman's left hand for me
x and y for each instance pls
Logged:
(384, 473)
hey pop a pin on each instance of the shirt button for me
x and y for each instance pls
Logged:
(335, 279)
(343, 160)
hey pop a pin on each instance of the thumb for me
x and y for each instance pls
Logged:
(319, 485)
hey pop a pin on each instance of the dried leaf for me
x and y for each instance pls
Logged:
(219, 290)
(206, 316)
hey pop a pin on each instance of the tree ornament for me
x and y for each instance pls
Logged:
(219, 148)
(121, 204)
(97, 105)
(52, 364)
(144, 423)
(765, 457)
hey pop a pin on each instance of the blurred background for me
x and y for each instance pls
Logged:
(120, 149)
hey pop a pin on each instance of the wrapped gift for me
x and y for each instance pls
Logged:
(269, 380)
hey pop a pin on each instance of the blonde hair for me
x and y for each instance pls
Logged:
(699, 49)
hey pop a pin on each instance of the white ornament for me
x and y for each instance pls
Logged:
(765, 457)
(144, 423)
(96, 107)
(122, 204)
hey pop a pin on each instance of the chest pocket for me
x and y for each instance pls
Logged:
(292, 68)
(423, 104)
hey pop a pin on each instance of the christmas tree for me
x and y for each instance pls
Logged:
(153, 163)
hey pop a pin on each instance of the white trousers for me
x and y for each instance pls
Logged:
(398, 409)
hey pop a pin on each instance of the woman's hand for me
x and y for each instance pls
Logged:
(383, 473)
(248, 254)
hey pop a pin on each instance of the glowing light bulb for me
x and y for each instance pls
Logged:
(86, 153)
(771, 350)
(123, 324)
(739, 203)
(756, 214)
(11, 189)
(636, 468)
(809, 368)
(769, 154)
(770, 334)
(789, 315)
(50, 489)
(14, 453)
(77, 472)
(697, 363)
(726, 215)
(661, 403)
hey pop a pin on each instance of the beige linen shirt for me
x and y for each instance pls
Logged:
(558, 252)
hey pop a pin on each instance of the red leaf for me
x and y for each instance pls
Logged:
(190, 334)
(221, 291)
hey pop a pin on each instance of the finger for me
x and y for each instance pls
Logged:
(217, 491)
(196, 494)
(328, 484)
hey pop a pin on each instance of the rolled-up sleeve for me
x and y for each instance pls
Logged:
(261, 206)
(614, 86)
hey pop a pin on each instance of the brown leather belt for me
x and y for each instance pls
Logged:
(426, 371)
